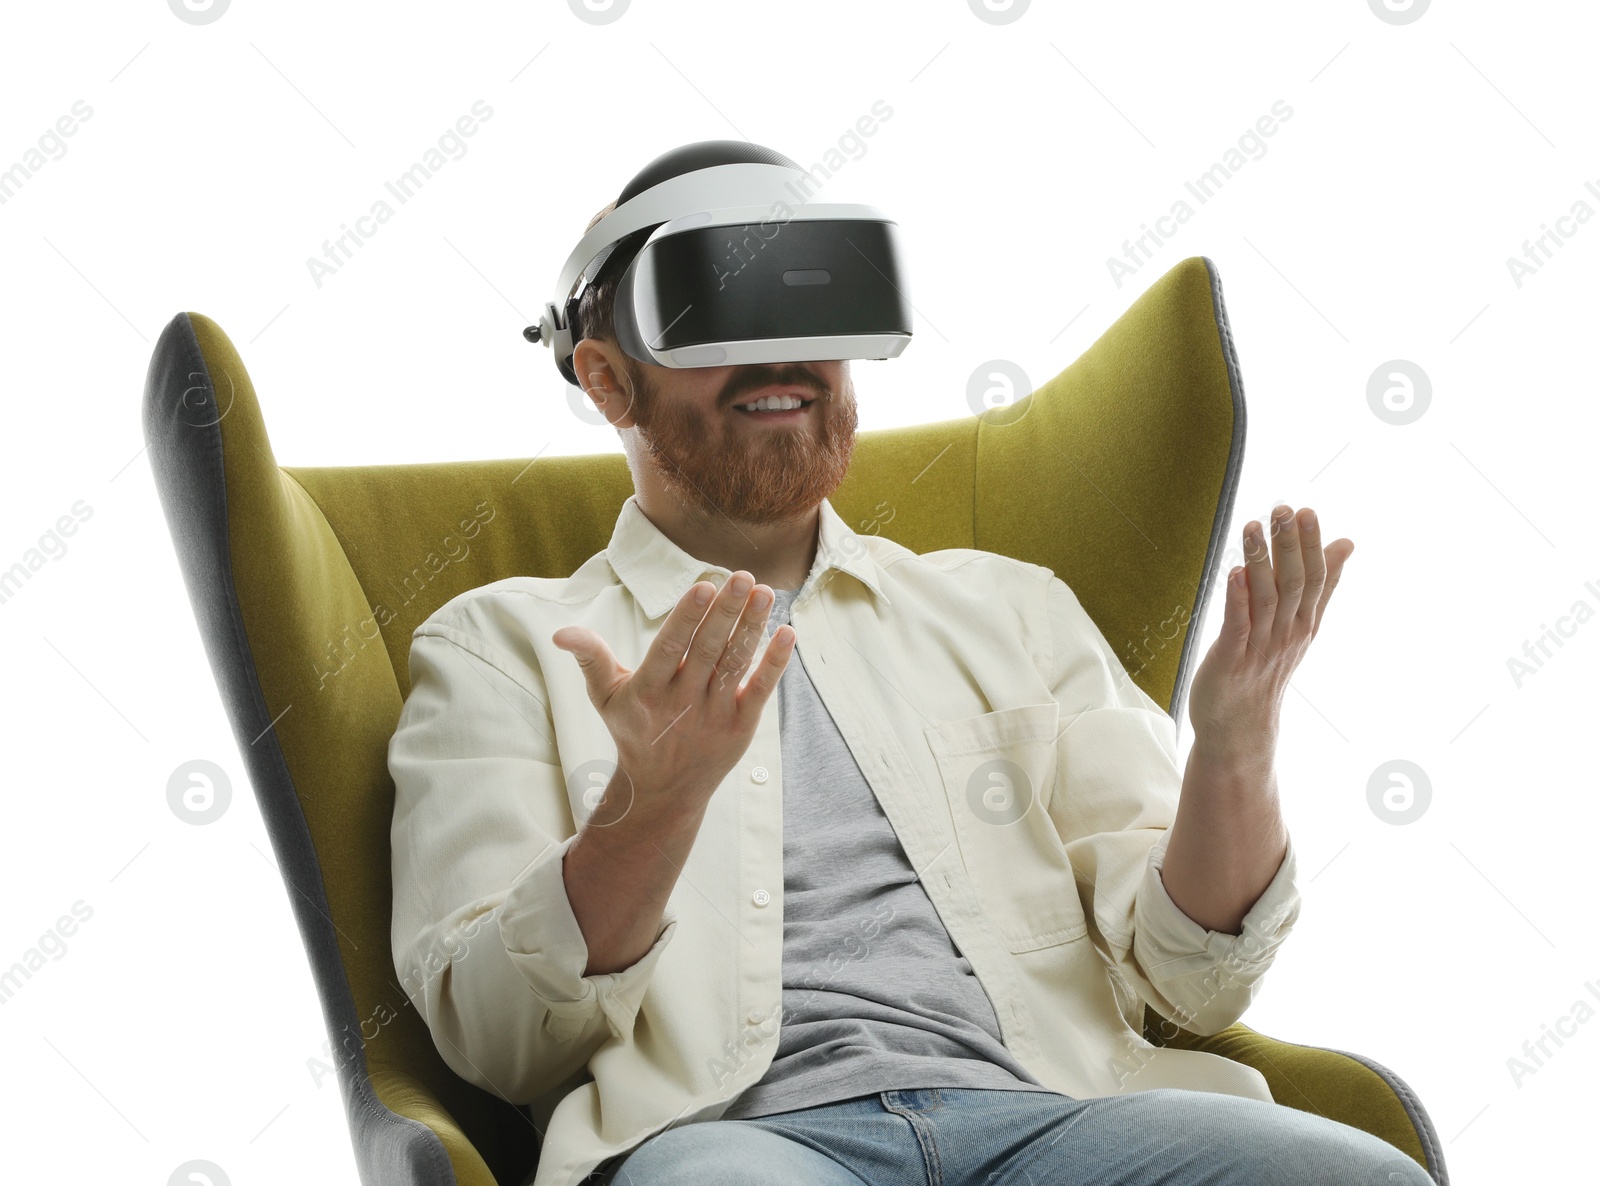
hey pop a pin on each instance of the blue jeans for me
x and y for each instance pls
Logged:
(943, 1136)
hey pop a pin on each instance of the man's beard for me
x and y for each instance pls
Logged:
(749, 473)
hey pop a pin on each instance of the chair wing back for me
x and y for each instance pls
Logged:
(1118, 474)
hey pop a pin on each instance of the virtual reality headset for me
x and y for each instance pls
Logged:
(738, 269)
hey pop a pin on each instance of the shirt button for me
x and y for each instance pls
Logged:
(759, 774)
(754, 1016)
(761, 897)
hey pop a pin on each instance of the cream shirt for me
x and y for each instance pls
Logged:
(1029, 779)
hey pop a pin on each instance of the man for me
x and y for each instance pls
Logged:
(901, 929)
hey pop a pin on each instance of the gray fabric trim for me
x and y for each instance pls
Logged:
(1230, 487)
(1420, 1120)
(180, 417)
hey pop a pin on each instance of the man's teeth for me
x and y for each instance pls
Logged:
(773, 403)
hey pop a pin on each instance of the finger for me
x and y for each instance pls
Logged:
(742, 646)
(1235, 635)
(599, 666)
(671, 643)
(1291, 571)
(711, 636)
(758, 688)
(1336, 560)
(1316, 570)
(1263, 589)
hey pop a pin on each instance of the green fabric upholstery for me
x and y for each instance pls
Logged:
(1333, 1083)
(1118, 474)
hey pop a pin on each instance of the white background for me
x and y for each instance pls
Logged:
(181, 1020)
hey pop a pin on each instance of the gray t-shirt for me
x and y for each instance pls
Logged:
(876, 996)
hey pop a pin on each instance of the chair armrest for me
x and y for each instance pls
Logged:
(1334, 1083)
(411, 1139)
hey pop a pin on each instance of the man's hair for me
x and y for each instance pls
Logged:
(595, 303)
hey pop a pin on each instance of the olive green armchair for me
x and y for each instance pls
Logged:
(1118, 474)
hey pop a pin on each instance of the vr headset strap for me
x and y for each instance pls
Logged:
(704, 189)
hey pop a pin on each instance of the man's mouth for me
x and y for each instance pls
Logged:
(777, 405)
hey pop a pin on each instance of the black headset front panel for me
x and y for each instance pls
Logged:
(797, 278)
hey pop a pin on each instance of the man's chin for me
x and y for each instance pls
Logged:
(767, 508)
(759, 502)
(750, 480)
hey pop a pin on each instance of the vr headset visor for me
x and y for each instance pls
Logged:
(736, 272)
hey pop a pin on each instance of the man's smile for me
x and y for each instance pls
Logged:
(775, 403)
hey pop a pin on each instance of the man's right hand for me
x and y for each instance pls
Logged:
(681, 719)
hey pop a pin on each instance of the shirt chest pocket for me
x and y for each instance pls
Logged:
(998, 770)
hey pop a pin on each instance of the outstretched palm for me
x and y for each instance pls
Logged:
(1271, 618)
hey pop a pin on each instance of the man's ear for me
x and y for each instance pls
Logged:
(603, 381)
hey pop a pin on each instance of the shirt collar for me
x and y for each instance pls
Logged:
(658, 572)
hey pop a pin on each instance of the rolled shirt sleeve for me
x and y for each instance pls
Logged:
(545, 943)
(483, 933)
(1116, 794)
(1204, 980)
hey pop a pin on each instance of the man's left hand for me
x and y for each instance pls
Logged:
(1274, 609)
